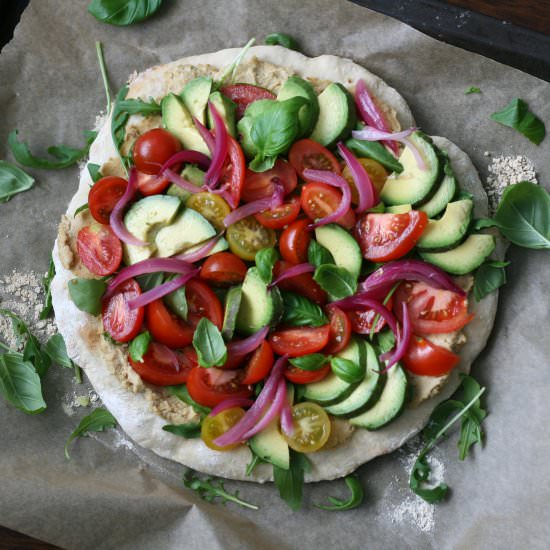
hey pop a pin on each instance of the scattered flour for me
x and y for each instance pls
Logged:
(76, 399)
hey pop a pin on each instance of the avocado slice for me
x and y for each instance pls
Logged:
(309, 113)
(192, 174)
(195, 96)
(271, 446)
(342, 246)
(444, 194)
(226, 108)
(398, 209)
(232, 306)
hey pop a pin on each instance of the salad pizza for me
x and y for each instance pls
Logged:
(271, 260)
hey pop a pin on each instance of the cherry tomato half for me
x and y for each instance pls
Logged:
(303, 284)
(300, 376)
(298, 341)
(340, 330)
(307, 153)
(151, 184)
(362, 319)
(233, 172)
(281, 216)
(245, 94)
(153, 148)
(259, 365)
(294, 241)
(426, 359)
(223, 268)
(99, 249)
(209, 387)
(103, 197)
(377, 174)
(260, 185)
(319, 200)
(214, 426)
(119, 321)
(311, 428)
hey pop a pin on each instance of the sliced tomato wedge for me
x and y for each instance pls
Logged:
(432, 310)
(119, 321)
(151, 184)
(103, 197)
(99, 249)
(223, 268)
(426, 359)
(261, 185)
(281, 216)
(294, 242)
(385, 237)
(362, 320)
(307, 153)
(319, 200)
(209, 387)
(299, 341)
(300, 376)
(259, 365)
(245, 94)
(303, 284)
(340, 330)
(233, 172)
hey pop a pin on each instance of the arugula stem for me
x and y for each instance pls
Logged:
(232, 68)
(103, 69)
(77, 374)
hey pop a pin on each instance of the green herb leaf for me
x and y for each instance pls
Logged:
(385, 341)
(420, 475)
(229, 73)
(123, 12)
(139, 346)
(64, 156)
(313, 361)
(191, 430)
(318, 255)
(13, 181)
(20, 384)
(374, 150)
(254, 461)
(98, 420)
(355, 499)
(489, 277)
(472, 90)
(150, 280)
(337, 281)
(300, 312)
(57, 350)
(86, 294)
(262, 164)
(483, 223)
(177, 301)
(139, 107)
(265, 260)
(80, 209)
(281, 39)
(347, 370)
(470, 428)
(118, 124)
(516, 115)
(94, 170)
(290, 482)
(209, 345)
(46, 285)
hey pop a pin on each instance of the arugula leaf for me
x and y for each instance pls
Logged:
(281, 39)
(470, 428)
(123, 12)
(80, 209)
(64, 156)
(472, 90)
(139, 346)
(94, 171)
(182, 393)
(347, 370)
(355, 499)
(313, 361)
(13, 180)
(229, 73)
(118, 124)
(140, 107)
(177, 301)
(516, 115)
(46, 285)
(20, 384)
(318, 255)
(191, 430)
(265, 260)
(86, 294)
(104, 76)
(420, 474)
(254, 461)
(376, 151)
(290, 482)
(488, 277)
(209, 345)
(150, 280)
(337, 281)
(57, 351)
(300, 312)
(98, 420)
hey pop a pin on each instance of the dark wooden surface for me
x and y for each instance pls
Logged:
(11, 540)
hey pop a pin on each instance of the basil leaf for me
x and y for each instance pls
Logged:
(259, 164)
(376, 151)
(318, 255)
(46, 285)
(182, 394)
(420, 474)
(516, 115)
(94, 171)
(97, 421)
(281, 39)
(300, 312)
(290, 482)
(57, 350)
(313, 361)
(209, 344)
(191, 430)
(86, 294)
(177, 301)
(20, 384)
(488, 277)
(13, 181)
(139, 346)
(123, 12)
(64, 156)
(347, 370)
(265, 260)
(150, 280)
(472, 90)
(337, 281)
(355, 499)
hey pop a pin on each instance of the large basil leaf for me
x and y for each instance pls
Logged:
(516, 115)
(209, 345)
(13, 181)
(301, 312)
(123, 12)
(86, 294)
(337, 281)
(318, 255)
(489, 277)
(57, 350)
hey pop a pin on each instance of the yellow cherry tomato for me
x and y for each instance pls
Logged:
(213, 207)
(311, 428)
(214, 426)
(247, 236)
(376, 172)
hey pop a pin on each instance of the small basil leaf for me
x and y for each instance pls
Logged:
(139, 346)
(347, 370)
(46, 285)
(376, 151)
(97, 421)
(191, 430)
(265, 260)
(182, 393)
(300, 312)
(262, 164)
(385, 341)
(318, 255)
(281, 39)
(472, 90)
(13, 181)
(57, 350)
(209, 344)
(94, 170)
(177, 301)
(516, 115)
(313, 361)
(86, 294)
(337, 281)
(355, 499)
(150, 280)
(489, 277)
(123, 12)
(290, 482)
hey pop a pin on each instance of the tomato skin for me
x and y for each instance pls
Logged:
(261, 185)
(294, 242)
(362, 319)
(100, 250)
(307, 153)
(209, 387)
(385, 237)
(153, 148)
(103, 197)
(203, 302)
(299, 341)
(214, 426)
(151, 184)
(233, 172)
(260, 364)
(319, 200)
(158, 370)
(303, 284)
(223, 268)
(119, 321)
(426, 359)
(340, 330)
(245, 94)
(281, 216)
(301, 376)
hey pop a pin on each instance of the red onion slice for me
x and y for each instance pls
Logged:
(180, 182)
(248, 345)
(368, 197)
(187, 156)
(254, 207)
(159, 350)
(403, 340)
(219, 153)
(115, 219)
(230, 403)
(293, 271)
(206, 135)
(287, 425)
(193, 256)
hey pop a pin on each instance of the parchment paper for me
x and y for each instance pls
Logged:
(112, 495)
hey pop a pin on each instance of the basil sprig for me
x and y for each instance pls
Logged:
(98, 420)
(209, 345)
(347, 370)
(318, 255)
(517, 115)
(337, 281)
(313, 361)
(355, 499)
(300, 312)
(281, 39)
(489, 277)
(13, 180)
(86, 294)
(190, 430)
(290, 483)
(139, 346)
(123, 12)
(265, 260)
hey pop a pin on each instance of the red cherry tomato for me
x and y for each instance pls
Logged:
(99, 249)
(362, 320)
(319, 200)
(300, 376)
(260, 364)
(151, 184)
(298, 341)
(307, 153)
(153, 148)
(245, 94)
(281, 216)
(209, 387)
(119, 321)
(294, 242)
(233, 172)
(103, 197)
(385, 237)
(426, 359)
(223, 268)
(432, 310)
(303, 284)
(158, 368)
(340, 330)
(260, 185)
